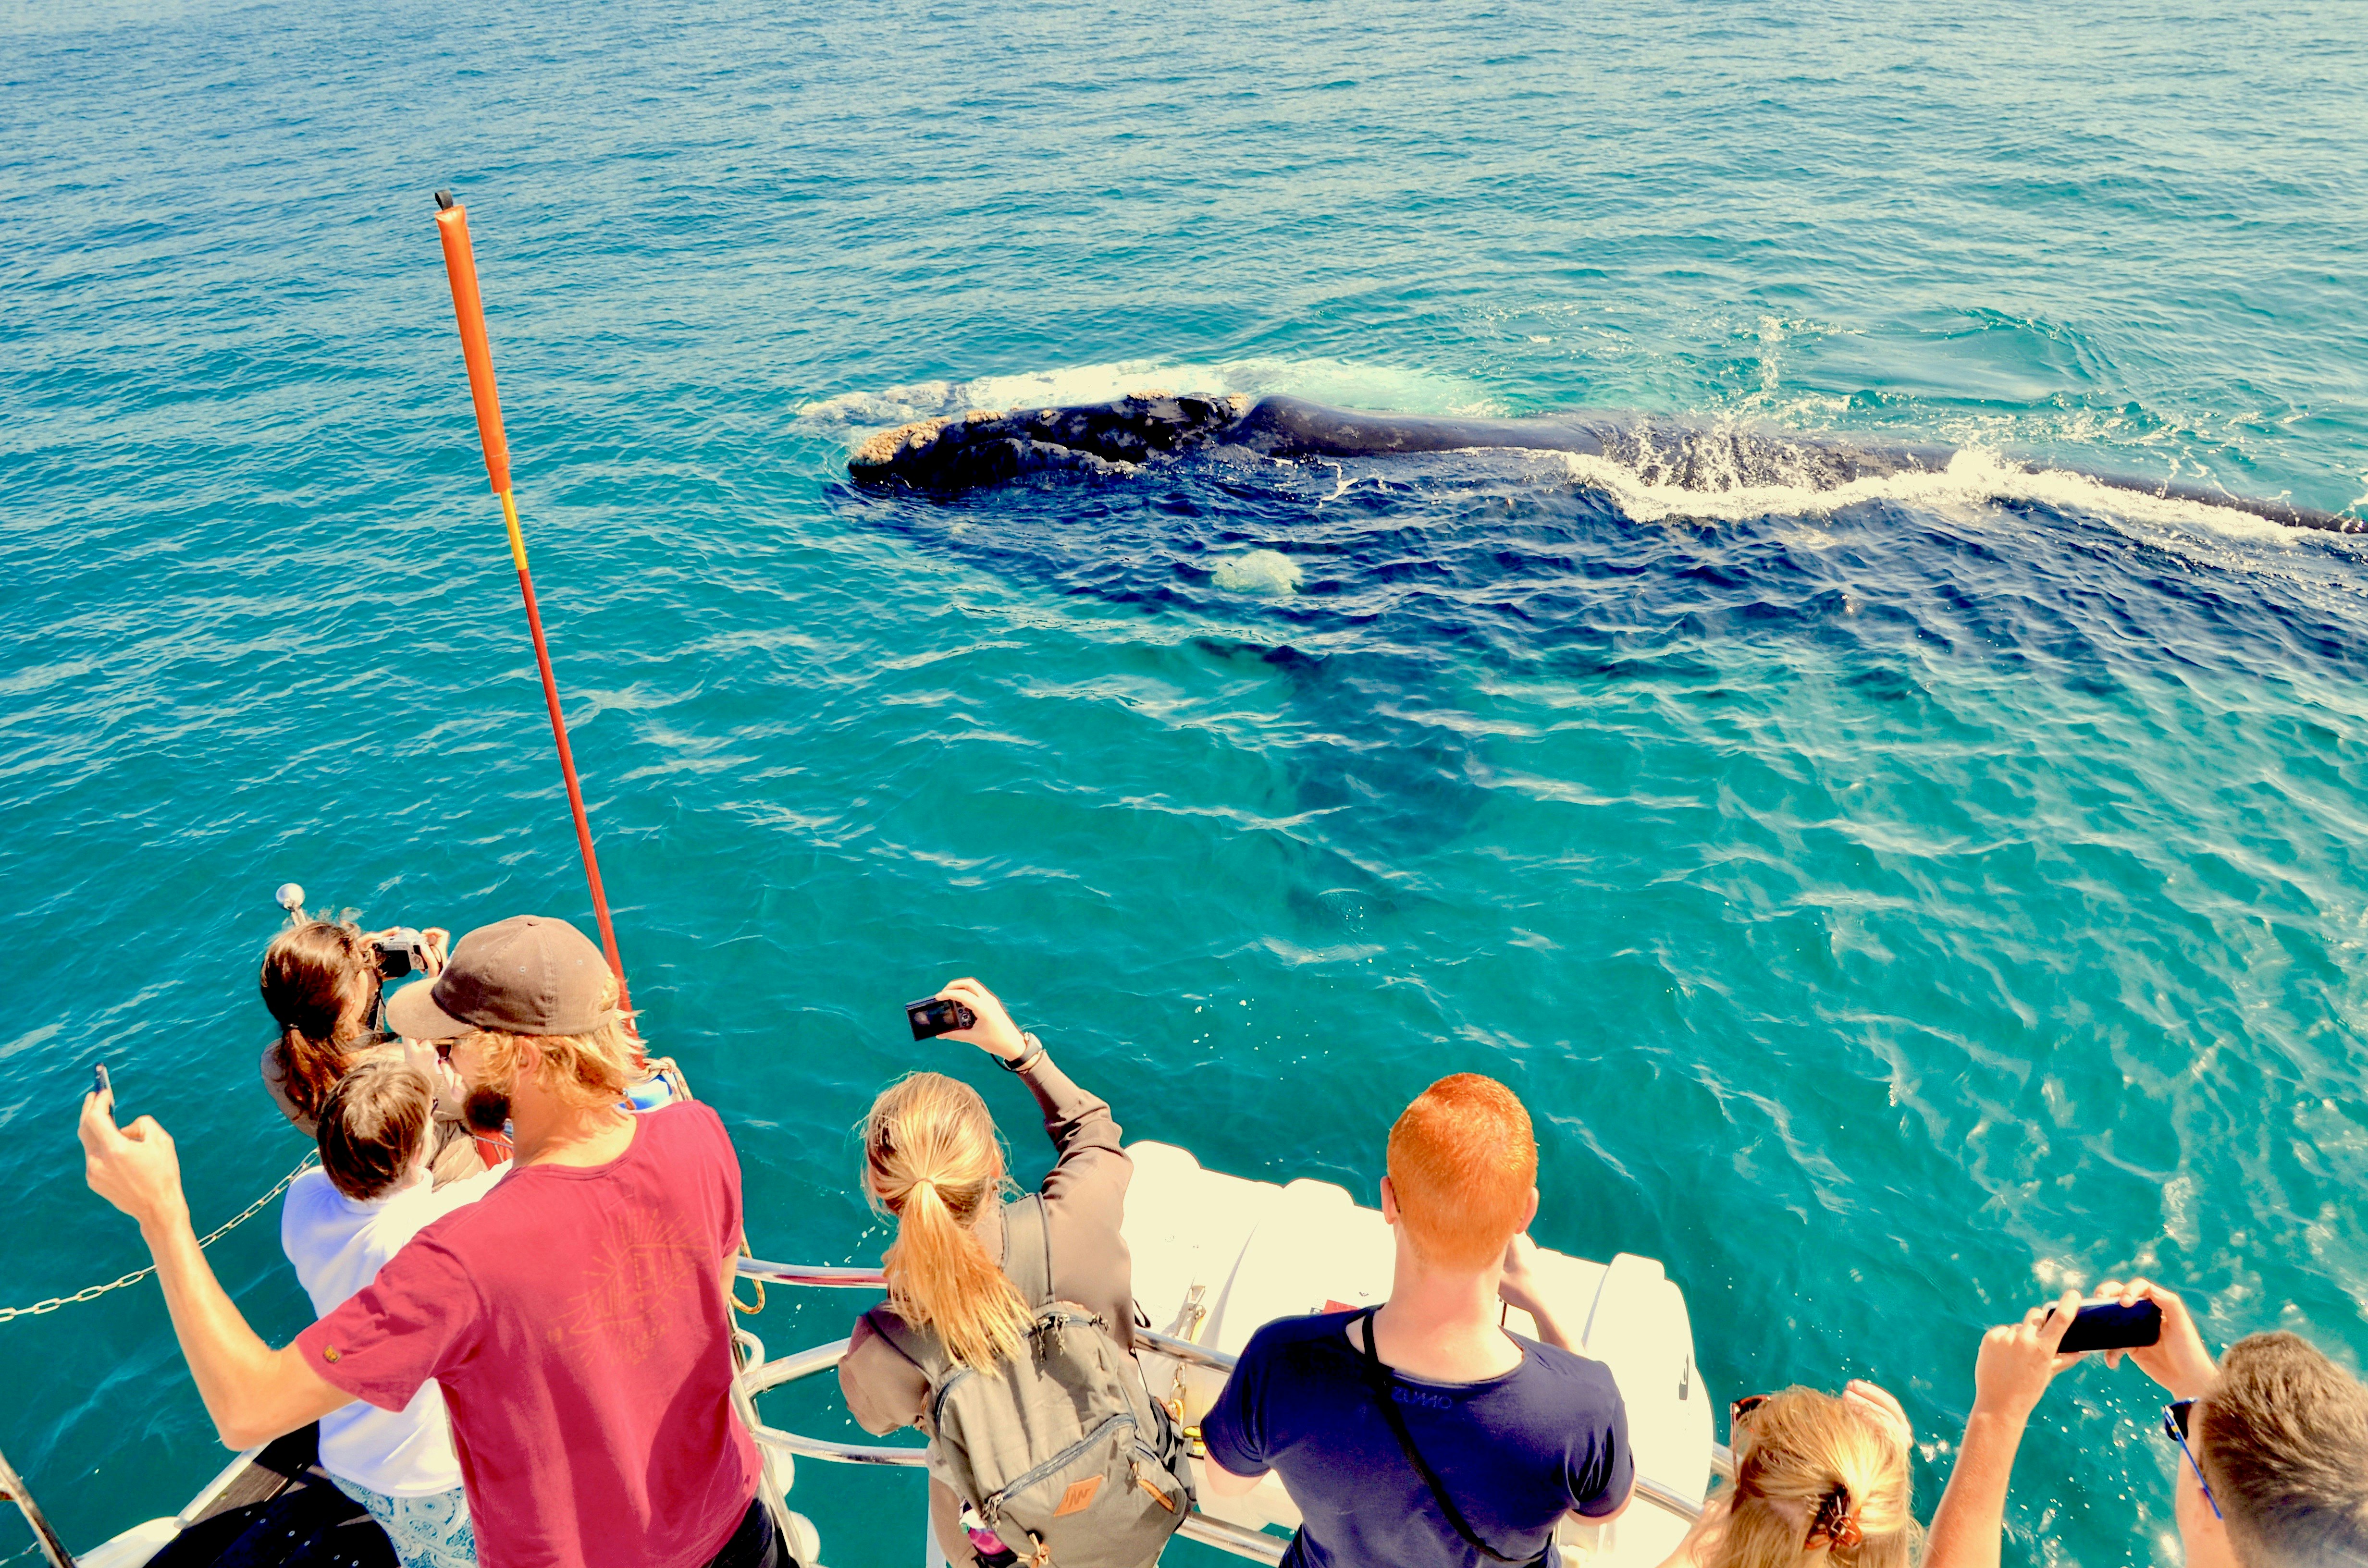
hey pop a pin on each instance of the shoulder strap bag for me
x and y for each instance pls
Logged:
(1382, 1378)
(1028, 1249)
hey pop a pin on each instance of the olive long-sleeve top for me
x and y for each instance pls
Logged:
(1085, 1201)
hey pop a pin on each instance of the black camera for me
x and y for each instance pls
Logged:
(402, 951)
(934, 1016)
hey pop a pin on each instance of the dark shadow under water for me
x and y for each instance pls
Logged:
(1386, 591)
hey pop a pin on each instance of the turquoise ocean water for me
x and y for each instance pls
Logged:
(1892, 909)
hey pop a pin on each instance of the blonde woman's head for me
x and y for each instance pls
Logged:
(932, 1162)
(1819, 1478)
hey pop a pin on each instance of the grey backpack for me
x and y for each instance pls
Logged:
(1061, 1452)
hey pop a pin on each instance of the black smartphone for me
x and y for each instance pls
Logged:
(2109, 1325)
(933, 1015)
(101, 1086)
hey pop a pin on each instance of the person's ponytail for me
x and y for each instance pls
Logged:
(939, 1277)
(932, 1162)
(1864, 1519)
(321, 982)
(308, 1071)
(1817, 1482)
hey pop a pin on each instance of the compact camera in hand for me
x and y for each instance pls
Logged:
(401, 952)
(933, 1015)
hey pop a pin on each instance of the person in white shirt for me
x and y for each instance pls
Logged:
(372, 1194)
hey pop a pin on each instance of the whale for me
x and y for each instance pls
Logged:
(1369, 622)
(1120, 437)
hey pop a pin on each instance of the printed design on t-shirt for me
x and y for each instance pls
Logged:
(642, 1278)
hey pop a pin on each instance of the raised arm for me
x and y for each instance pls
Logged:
(2015, 1364)
(1083, 1131)
(1077, 1120)
(253, 1392)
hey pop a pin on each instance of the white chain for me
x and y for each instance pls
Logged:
(91, 1293)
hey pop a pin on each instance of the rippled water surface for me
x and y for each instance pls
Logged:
(1892, 907)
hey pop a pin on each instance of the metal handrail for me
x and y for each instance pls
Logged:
(12, 1489)
(1184, 1350)
(828, 1275)
(805, 1363)
(1239, 1539)
(1667, 1499)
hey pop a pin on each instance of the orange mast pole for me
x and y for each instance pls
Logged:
(461, 262)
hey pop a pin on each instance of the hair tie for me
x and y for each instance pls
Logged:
(1835, 1524)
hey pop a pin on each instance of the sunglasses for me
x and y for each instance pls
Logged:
(2174, 1424)
(1743, 1407)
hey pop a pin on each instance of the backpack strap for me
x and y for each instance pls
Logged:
(1383, 1380)
(1028, 1250)
(1027, 1263)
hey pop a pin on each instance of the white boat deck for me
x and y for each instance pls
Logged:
(1216, 1257)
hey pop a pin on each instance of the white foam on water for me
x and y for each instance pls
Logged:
(1346, 383)
(1974, 478)
(1259, 572)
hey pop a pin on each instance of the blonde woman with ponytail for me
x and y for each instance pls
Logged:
(1821, 1480)
(933, 1163)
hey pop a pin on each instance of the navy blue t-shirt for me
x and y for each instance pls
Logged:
(1515, 1452)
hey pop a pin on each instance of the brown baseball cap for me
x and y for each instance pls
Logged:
(529, 975)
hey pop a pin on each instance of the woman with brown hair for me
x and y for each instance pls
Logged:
(322, 980)
(1819, 1478)
(934, 1163)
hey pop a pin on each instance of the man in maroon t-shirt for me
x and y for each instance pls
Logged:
(575, 1316)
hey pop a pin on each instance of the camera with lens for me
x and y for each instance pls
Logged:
(401, 952)
(933, 1015)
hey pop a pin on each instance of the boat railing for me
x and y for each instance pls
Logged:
(12, 1490)
(1239, 1539)
(825, 1275)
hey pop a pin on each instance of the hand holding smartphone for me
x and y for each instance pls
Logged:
(103, 1088)
(2110, 1325)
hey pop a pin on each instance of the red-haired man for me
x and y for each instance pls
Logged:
(1421, 1434)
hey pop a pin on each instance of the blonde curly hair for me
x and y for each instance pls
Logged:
(1818, 1480)
(583, 1070)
